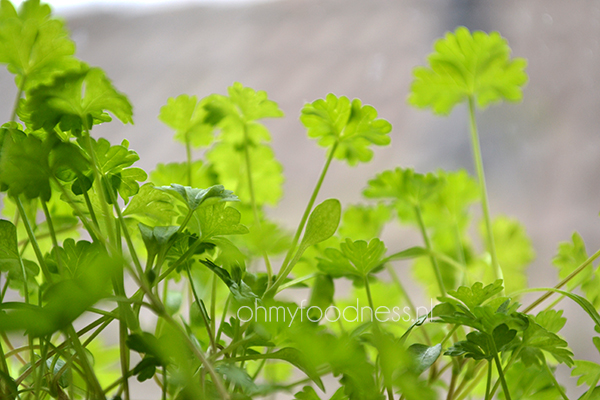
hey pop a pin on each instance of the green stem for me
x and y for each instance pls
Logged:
(566, 280)
(281, 277)
(555, 382)
(253, 202)
(482, 187)
(202, 311)
(501, 374)
(91, 378)
(32, 240)
(488, 385)
(53, 236)
(188, 153)
(108, 217)
(432, 258)
(588, 394)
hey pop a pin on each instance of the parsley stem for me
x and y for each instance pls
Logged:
(562, 283)
(202, 310)
(254, 205)
(501, 373)
(555, 382)
(53, 236)
(482, 187)
(488, 384)
(432, 258)
(283, 272)
(32, 240)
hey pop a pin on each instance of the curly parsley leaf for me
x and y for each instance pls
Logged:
(267, 172)
(75, 101)
(177, 172)
(405, 188)
(350, 125)
(151, 206)
(364, 222)
(476, 294)
(194, 198)
(538, 339)
(186, 115)
(216, 220)
(35, 46)
(465, 65)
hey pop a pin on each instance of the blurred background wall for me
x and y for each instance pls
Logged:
(542, 157)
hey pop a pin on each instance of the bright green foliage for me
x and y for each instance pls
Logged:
(151, 206)
(267, 172)
(10, 260)
(588, 372)
(350, 126)
(570, 256)
(75, 101)
(515, 252)
(24, 165)
(199, 256)
(194, 198)
(467, 65)
(405, 188)
(363, 222)
(175, 172)
(186, 116)
(35, 47)
(322, 223)
(216, 220)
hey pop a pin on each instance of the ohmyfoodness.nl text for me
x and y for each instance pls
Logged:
(332, 313)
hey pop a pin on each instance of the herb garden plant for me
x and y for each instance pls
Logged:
(184, 266)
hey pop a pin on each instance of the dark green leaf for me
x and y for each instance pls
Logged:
(76, 101)
(194, 198)
(424, 356)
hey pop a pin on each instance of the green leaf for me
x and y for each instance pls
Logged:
(9, 255)
(322, 223)
(151, 206)
(467, 65)
(588, 372)
(363, 222)
(424, 356)
(194, 198)
(551, 320)
(216, 220)
(321, 295)
(364, 257)
(351, 125)
(64, 301)
(514, 249)
(536, 339)
(405, 188)
(267, 173)
(74, 256)
(476, 294)
(75, 101)
(34, 46)
(237, 376)
(569, 257)
(298, 360)
(307, 393)
(166, 174)
(186, 116)
(252, 104)
(240, 290)
(24, 166)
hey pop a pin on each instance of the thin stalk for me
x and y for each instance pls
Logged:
(555, 382)
(432, 258)
(482, 187)
(501, 374)
(588, 394)
(281, 276)
(253, 202)
(32, 240)
(188, 154)
(488, 385)
(53, 236)
(90, 375)
(213, 311)
(223, 316)
(202, 312)
(567, 279)
(455, 372)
